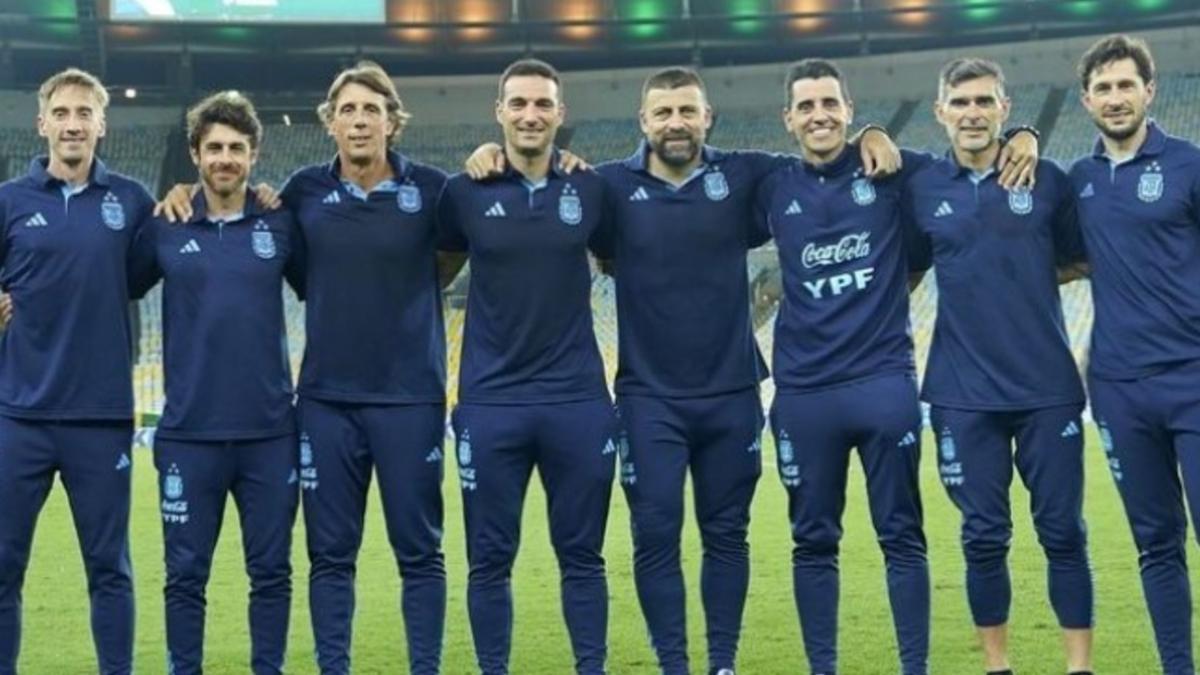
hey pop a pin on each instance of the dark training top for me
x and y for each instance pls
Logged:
(528, 336)
(999, 342)
(1141, 227)
(374, 325)
(225, 358)
(66, 354)
(679, 254)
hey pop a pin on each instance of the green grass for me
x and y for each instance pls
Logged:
(57, 639)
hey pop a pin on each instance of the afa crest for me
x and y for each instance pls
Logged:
(112, 213)
(863, 191)
(715, 186)
(570, 208)
(464, 448)
(262, 241)
(787, 453)
(946, 446)
(408, 198)
(173, 484)
(1020, 201)
(1150, 185)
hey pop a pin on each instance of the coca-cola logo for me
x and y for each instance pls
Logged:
(851, 247)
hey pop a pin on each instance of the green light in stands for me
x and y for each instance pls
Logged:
(980, 10)
(235, 33)
(748, 8)
(645, 9)
(48, 9)
(58, 29)
(1150, 5)
(1083, 7)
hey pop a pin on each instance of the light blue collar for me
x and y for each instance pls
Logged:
(69, 190)
(357, 192)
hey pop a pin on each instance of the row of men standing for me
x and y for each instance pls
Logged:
(360, 237)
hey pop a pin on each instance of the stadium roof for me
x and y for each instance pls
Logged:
(264, 45)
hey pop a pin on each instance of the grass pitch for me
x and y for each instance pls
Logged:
(57, 639)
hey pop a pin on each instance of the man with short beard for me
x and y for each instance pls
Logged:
(531, 386)
(843, 361)
(1139, 206)
(66, 400)
(1001, 379)
(228, 427)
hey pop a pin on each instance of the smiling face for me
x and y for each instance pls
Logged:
(818, 117)
(530, 113)
(676, 123)
(72, 122)
(1117, 99)
(973, 112)
(224, 157)
(360, 124)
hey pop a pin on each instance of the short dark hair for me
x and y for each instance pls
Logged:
(230, 108)
(372, 76)
(966, 69)
(525, 67)
(1116, 48)
(812, 69)
(673, 77)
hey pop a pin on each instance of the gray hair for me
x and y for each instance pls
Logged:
(965, 69)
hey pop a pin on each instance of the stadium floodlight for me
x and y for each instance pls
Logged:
(130, 93)
(753, 10)
(644, 11)
(981, 10)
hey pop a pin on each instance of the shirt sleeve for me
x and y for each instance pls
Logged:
(760, 213)
(918, 248)
(914, 161)
(762, 164)
(295, 268)
(1068, 235)
(603, 242)
(450, 235)
(289, 194)
(144, 270)
(1195, 196)
(3, 232)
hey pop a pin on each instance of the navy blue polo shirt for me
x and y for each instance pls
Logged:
(1141, 225)
(225, 357)
(999, 342)
(679, 254)
(67, 354)
(528, 336)
(844, 313)
(374, 323)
